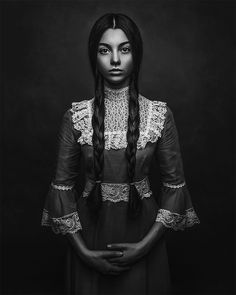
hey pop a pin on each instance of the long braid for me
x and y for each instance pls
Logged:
(123, 22)
(135, 202)
(94, 199)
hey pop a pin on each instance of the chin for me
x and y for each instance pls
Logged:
(116, 81)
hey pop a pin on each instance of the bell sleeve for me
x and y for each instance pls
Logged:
(60, 209)
(175, 206)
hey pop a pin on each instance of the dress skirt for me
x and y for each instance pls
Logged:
(149, 276)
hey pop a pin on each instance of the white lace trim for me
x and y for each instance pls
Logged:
(173, 185)
(117, 192)
(62, 187)
(69, 223)
(152, 118)
(177, 221)
(116, 94)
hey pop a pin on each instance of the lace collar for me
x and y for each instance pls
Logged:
(116, 94)
(152, 118)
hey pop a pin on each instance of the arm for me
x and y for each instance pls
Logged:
(60, 208)
(176, 210)
(154, 234)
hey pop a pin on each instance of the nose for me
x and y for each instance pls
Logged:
(115, 58)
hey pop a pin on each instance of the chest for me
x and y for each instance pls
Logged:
(115, 162)
(152, 117)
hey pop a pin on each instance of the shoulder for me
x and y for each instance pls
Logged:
(152, 119)
(144, 100)
(155, 106)
(80, 114)
(159, 115)
(81, 106)
(78, 110)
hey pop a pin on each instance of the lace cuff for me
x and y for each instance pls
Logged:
(60, 209)
(177, 221)
(69, 223)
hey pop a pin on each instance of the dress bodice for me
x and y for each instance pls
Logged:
(152, 118)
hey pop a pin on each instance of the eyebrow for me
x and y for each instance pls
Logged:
(108, 45)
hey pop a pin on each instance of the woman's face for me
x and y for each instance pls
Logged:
(114, 58)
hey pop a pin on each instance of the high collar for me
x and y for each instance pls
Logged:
(116, 94)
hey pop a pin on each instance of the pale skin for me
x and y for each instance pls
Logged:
(115, 52)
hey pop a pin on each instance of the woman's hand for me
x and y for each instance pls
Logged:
(94, 258)
(132, 252)
(99, 260)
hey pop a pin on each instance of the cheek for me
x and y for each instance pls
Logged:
(102, 63)
(129, 64)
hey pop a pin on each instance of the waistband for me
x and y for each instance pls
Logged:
(117, 192)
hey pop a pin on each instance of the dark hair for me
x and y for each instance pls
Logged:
(124, 23)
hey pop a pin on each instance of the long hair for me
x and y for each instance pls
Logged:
(123, 22)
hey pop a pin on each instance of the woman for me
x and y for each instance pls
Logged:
(116, 227)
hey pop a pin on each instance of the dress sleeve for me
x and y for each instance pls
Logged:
(176, 209)
(60, 209)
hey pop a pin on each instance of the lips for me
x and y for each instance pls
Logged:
(115, 71)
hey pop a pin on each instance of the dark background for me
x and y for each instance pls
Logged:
(188, 62)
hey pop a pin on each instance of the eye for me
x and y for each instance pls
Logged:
(103, 50)
(125, 49)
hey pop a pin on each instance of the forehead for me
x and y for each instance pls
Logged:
(113, 37)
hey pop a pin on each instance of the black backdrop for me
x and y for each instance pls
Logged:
(188, 62)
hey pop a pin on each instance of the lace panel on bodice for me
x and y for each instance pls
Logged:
(152, 117)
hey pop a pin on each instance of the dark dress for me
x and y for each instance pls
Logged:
(66, 211)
